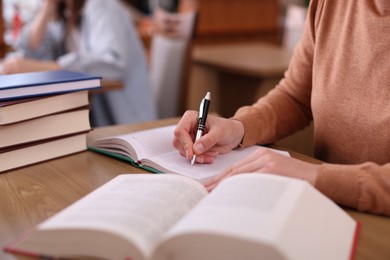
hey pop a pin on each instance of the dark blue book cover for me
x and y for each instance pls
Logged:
(45, 83)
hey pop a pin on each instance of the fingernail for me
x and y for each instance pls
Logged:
(208, 160)
(187, 154)
(199, 148)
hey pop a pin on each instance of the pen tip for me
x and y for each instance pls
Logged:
(208, 95)
(193, 160)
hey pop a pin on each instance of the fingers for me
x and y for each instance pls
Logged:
(205, 143)
(212, 183)
(10, 66)
(184, 134)
(207, 157)
(217, 138)
(255, 162)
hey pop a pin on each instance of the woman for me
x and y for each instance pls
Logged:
(95, 37)
(339, 78)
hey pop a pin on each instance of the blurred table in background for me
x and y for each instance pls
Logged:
(238, 74)
(237, 20)
(108, 85)
(224, 21)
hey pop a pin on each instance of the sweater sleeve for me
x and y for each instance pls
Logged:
(104, 43)
(365, 186)
(51, 46)
(286, 108)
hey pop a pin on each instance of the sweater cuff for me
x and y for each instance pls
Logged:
(339, 183)
(70, 61)
(250, 136)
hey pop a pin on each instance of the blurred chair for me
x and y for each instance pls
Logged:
(170, 59)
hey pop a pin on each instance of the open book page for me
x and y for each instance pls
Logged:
(261, 214)
(154, 148)
(140, 144)
(136, 207)
(175, 163)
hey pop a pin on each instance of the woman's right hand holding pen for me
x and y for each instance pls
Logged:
(221, 136)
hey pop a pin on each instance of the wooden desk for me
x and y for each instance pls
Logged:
(108, 85)
(32, 194)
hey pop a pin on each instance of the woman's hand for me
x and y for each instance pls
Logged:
(267, 161)
(50, 5)
(46, 13)
(221, 136)
(22, 65)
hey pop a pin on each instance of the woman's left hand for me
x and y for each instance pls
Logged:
(21, 65)
(267, 161)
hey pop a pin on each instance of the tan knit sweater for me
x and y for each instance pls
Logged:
(339, 76)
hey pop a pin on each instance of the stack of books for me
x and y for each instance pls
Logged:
(43, 115)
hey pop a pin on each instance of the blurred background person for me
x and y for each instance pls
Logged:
(159, 16)
(166, 29)
(91, 36)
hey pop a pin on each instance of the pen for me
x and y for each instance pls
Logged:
(203, 111)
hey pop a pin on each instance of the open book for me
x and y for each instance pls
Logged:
(168, 216)
(153, 151)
